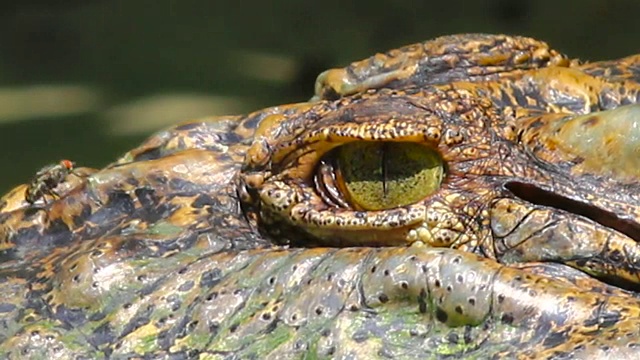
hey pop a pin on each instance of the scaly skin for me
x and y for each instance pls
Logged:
(210, 239)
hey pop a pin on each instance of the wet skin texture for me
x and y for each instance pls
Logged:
(225, 238)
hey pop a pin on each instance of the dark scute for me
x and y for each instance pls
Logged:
(211, 278)
(188, 126)
(73, 317)
(555, 338)
(360, 336)
(97, 316)
(6, 307)
(103, 334)
(84, 215)
(140, 319)
(202, 200)
(152, 154)
(186, 286)
(147, 197)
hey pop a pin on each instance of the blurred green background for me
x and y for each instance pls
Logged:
(88, 80)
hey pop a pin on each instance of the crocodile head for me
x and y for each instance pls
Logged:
(472, 196)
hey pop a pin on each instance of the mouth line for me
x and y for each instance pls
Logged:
(538, 196)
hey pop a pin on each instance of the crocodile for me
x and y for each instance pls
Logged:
(471, 196)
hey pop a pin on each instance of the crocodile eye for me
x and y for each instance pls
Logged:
(385, 175)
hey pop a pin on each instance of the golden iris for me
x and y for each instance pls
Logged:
(385, 175)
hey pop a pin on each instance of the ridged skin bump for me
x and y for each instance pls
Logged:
(232, 237)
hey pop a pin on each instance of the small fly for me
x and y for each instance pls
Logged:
(46, 181)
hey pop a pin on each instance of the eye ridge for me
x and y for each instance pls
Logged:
(378, 175)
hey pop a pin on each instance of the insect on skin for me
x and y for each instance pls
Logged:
(46, 180)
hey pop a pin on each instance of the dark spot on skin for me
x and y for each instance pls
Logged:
(5, 307)
(385, 353)
(500, 298)
(187, 126)
(319, 310)
(507, 319)
(300, 345)
(437, 283)
(252, 122)
(272, 280)
(453, 338)
(97, 316)
(373, 269)
(147, 197)
(58, 226)
(266, 316)
(404, 285)
(441, 315)
(591, 121)
(386, 273)
(103, 334)
(555, 338)
(467, 334)
(70, 316)
(184, 186)
(472, 301)
(202, 200)
(360, 336)
(603, 318)
(577, 160)
(210, 278)
(149, 154)
(383, 298)
(330, 276)
(192, 325)
(460, 278)
(186, 286)
(233, 327)
(458, 309)
(84, 214)
(118, 204)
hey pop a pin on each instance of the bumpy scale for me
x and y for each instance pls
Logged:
(243, 236)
